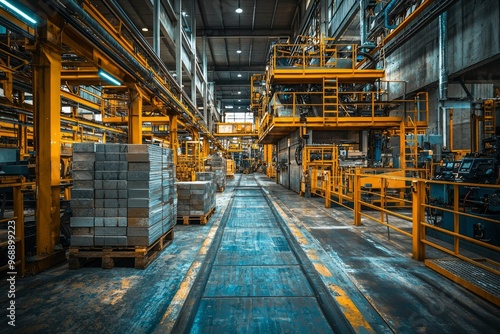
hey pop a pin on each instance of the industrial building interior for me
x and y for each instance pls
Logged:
(250, 166)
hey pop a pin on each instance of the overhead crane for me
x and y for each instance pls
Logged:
(73, 46)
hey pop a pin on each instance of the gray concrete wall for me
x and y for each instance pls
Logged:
(473, 40)
(473, 37)
(473, 33)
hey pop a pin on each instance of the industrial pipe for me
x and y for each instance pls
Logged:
(145, 76)
(443, 79)
(387, 9)
(443, 62)
(362, 28)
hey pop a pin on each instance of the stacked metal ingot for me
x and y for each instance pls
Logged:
(145, 200)
(118, 195)
(110, 184)
(218, 165)
(82, 195)
(169, 191)
(207, 176)
(195, 198)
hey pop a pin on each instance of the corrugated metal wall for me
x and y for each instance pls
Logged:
(289, 177)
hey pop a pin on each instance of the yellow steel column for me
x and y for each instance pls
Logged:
(47, 108)
(206, 147)
(7, 86)
(268, 157)
(174, 140)
(418, 198)
(456, 218)
(402, 145)
(196, 134)
(22, 135)
(328, 194)
(18, 200)
(357, 197)
(135, 117)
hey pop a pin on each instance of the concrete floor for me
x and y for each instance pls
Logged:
(372, 278)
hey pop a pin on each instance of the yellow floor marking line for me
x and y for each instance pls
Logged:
(351, 312)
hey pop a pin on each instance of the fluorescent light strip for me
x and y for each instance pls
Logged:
(109, 77)
(18, 11)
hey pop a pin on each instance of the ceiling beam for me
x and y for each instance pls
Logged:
(243, 33)
(257, 69)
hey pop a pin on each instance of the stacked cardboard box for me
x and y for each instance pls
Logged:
(218, 165)
(195, 198)
(118, 195)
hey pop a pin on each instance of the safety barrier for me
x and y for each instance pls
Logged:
(459, 221)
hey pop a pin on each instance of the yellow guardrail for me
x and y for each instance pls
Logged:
(311, 55)
(463, 206)
(378, 194)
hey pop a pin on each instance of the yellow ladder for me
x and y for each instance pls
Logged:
(411, 144)
(488, 119)
(330, 97)
(329, 56)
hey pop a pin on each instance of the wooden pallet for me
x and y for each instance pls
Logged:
(196, 219)
(142, 255)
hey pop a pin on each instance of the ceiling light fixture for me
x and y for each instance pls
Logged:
(239, 75)
(18, 11)
(145, 29)
(110, 78)
(239, 92)
(238, 51)
(239, 10)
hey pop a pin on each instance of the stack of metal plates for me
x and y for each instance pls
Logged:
(218, 165)
(82, 195)
(145, 200)
(169, 191)
(207, 176)
(123, 194)
(195, 198)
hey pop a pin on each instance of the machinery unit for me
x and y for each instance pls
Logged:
(11, 163)
(475, 180)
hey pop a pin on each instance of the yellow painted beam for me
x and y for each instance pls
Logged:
(174, 140)
(7, 86)
(312, 75)
(19, 23)
(18, 200)
(124, 119)
(80, 101)
(47, 107)
(22, 135)
(135, 117)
